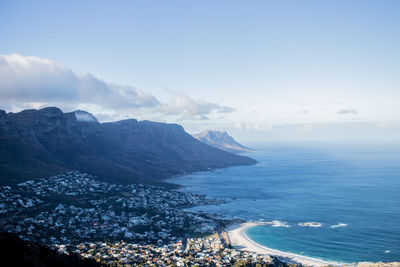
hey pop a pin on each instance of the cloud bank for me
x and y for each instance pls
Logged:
(33, 82)
(188, 108)
(345, 111)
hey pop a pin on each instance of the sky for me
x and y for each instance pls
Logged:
(262, 70)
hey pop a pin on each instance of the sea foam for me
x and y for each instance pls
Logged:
(277, 223)
(310, 224)
(338, 225)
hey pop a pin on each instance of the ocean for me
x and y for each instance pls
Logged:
(336, 201)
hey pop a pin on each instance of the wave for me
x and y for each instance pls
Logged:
(310, 224)
(338, 225)
(277, 223)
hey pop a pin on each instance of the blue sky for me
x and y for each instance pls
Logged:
(250, 67)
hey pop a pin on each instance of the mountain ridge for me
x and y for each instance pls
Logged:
(41, 143)
(221, 140)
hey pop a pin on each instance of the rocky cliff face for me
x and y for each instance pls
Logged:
(221, 140)
(40, 143)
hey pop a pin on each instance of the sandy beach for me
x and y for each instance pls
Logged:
(240, 240)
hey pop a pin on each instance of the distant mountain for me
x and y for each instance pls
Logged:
(221, 140)
(41, 143)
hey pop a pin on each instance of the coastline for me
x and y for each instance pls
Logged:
(233, 233)
(239, 240)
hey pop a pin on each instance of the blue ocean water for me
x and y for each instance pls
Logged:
(352, 190)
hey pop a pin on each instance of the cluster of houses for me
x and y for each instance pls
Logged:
(189, 252)
(10, 202)
(76, 212)
(75, 207)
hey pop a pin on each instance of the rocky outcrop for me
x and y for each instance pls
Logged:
(221, 140)
(85, 116)
(39, 143)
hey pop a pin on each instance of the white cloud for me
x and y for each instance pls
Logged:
(346, 111)
(189, 109)
(304, 111)
(33, 82)
(26, 81)
(259, 127)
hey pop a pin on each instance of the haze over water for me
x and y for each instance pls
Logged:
(352, 190)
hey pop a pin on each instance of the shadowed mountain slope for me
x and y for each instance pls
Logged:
(40, 143)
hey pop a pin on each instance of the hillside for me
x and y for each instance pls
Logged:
(221, 140)
(15, 251)
(41, 143)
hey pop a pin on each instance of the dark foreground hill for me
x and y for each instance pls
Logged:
(17, 252)
(40, 143)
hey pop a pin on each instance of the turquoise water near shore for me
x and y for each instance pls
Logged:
(351, 193)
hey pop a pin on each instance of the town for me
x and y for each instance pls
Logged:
(76, 212)
(75, 206)
(190, 252)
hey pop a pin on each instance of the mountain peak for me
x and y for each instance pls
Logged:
(221, 140)
(43, 112)
(221, 132)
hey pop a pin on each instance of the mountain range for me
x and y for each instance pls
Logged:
(41, 143)
(221, 140)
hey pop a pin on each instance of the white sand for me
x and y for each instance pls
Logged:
(240, 240)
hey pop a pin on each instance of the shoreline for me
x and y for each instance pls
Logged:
(239, 240)
(236, 237)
